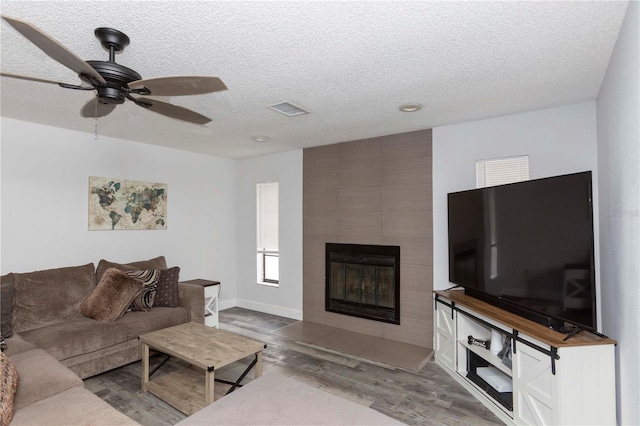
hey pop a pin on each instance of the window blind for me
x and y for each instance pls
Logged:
(502, 170)
(267, 209)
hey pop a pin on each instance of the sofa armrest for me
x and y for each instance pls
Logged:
(191, 297)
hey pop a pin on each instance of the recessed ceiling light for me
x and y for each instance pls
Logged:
(410, 107)
(260, 138)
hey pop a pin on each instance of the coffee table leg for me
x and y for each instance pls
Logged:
(258, 367)
(209, 387)
(145, 366)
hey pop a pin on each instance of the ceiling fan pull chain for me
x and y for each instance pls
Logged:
(95, 128)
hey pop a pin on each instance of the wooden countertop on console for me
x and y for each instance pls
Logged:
(523, 325)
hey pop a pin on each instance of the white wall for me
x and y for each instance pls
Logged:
(558, 141)
(619, 166)
(45, 176)
(286, 168)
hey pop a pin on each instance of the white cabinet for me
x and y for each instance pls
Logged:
(211, 291)
(211, 294)
(445, 337)
(536, 387)
(582, 390)
(552, 381)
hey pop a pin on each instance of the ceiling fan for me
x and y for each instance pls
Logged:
(114, 83)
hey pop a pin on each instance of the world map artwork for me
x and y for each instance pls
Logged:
(125, 204)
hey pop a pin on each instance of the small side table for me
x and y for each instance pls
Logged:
(211, 292)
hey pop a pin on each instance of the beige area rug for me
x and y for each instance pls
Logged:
(277, 400)
(357, 345)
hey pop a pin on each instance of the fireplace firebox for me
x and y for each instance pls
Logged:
(363, 281)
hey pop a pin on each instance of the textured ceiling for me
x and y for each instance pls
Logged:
(352, 64)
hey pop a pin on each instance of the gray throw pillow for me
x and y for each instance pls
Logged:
(167, 293)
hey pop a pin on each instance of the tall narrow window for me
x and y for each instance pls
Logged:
(267, 229)
(494, 172)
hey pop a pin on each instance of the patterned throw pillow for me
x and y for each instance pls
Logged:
(9, 379)
(167, 293)
(112, 296)
(144, 300)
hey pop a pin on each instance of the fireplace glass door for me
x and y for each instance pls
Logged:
(363, 281)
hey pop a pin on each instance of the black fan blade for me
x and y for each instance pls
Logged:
(54, 49)
(23, 77)
(177, 86)
(41, 80)
(172, 111)
(94, 109)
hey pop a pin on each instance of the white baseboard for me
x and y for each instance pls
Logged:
(226, 304)
(261, 307)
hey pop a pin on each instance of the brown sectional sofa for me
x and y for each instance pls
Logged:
(50, 393)
(54, 347)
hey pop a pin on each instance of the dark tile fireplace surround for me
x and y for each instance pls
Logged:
(363, 281)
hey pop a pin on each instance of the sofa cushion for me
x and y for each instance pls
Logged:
(9, 379)
(144, 300)
(50, 296)
(111, 297)
(6, 304)
(16, 344)
(155, 263)
(167, 293)
(137, 323)
(6, 307)
(76, 337)
(75, 406)
(41, 376)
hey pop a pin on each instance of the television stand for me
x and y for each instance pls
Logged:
(552, 378)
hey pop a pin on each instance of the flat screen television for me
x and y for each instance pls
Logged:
(528, 247)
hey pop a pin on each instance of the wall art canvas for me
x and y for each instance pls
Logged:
(126, 204)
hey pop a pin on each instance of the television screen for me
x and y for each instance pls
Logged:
(527, 247)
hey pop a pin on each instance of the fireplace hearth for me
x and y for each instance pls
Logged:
(363, 281)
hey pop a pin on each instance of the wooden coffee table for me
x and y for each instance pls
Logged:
(203, 347)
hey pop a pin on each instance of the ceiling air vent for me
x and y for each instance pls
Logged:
(288, 109)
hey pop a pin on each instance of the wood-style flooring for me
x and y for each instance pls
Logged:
(427, 397)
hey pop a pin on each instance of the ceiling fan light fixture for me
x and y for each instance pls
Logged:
(111, 80)
(410, 107)
(288, 109)
(260, 138)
